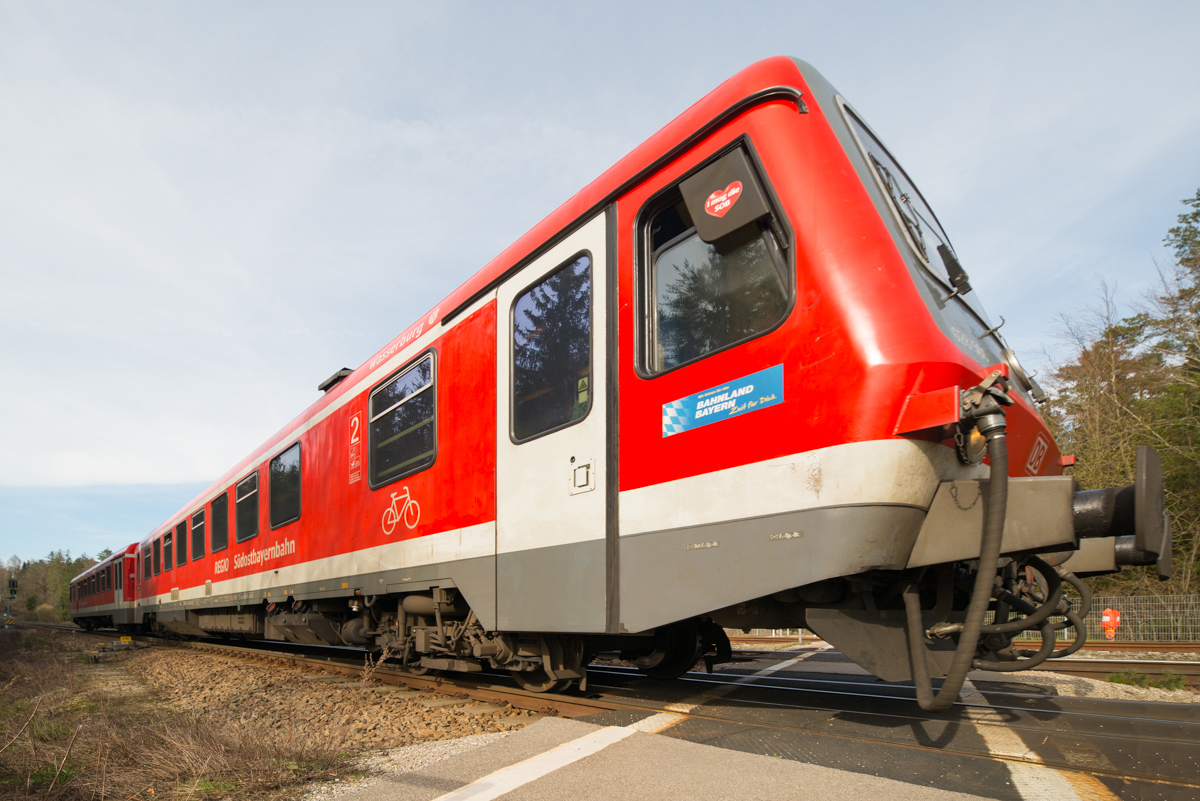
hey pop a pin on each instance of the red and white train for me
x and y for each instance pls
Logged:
(740, 380)
(105, 594)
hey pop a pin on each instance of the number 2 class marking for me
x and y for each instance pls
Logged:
(355, 448)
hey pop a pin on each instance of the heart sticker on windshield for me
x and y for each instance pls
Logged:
(722, 200)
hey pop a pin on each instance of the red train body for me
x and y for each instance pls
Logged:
(105, 594)
(724, 385)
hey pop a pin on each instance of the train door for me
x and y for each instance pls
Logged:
(551, 522)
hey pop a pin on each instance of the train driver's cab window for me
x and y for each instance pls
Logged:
(925, 235)
(246, 503)
(716, 274)
(284, 491)
(552, 351)
(157, 556)
(403, 423)
(168, 550)
(181, 533)
(117, 573)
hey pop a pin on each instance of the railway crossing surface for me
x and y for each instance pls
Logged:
(749, 736)
(556, 759)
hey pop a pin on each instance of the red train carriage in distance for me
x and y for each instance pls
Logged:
(104, 595)
(740, 380)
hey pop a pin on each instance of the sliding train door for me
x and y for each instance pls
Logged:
(550, 431)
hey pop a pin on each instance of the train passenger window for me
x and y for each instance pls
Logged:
(108, 578)
(198, 535)
(284, 488)
(117, 573)
(552, 351)
(168, 550)
(219, 536)
(403, 423)
(157, 556)
(246, 501)
(145, 562)
(715, 271)
(181, 544)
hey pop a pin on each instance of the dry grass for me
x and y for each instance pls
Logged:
(72, 730)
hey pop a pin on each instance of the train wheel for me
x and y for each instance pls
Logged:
(676, 649)
(538, 681)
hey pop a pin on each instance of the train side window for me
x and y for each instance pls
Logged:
(108, 578)
(715, 271)
(168, 542)
(157, 555)
(117, 573)
(552, 351)
(403, 424)
(181, 539)
(146, 562)
(246, 501)
(219, 536)
(284, 489)
(198, 535)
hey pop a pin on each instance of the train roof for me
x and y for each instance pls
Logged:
(128, 550)
(777, 78)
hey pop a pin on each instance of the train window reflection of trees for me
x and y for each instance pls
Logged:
(168, 551)
(402, 423)
(285, 487)
(709, 296)
(552, 351)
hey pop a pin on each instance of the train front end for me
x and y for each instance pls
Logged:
(986, 532)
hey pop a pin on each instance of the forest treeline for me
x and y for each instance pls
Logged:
(1133, 380)
(43, 585)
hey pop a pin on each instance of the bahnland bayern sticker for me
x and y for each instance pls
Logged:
(742, 395)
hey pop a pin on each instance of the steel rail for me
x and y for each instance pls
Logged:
(1083, 667)
(762, 682)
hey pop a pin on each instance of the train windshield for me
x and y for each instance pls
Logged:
(921, 227)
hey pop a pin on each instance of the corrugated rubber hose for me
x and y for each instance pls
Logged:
(981, 593)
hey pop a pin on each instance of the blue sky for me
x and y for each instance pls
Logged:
(208, 208)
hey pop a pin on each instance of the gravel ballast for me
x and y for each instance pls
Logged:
(316, 706)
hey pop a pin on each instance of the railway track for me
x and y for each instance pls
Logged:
(1131, 647)
(1084, 667)
(864, 712)
(824, 717)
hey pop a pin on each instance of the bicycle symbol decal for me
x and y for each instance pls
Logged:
(408, 511)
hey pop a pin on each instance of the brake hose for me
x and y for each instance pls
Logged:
(989, 419)
(1050, 607)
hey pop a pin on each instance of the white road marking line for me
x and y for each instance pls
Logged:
(699, 699)
(508, 779)
(1033, 781)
